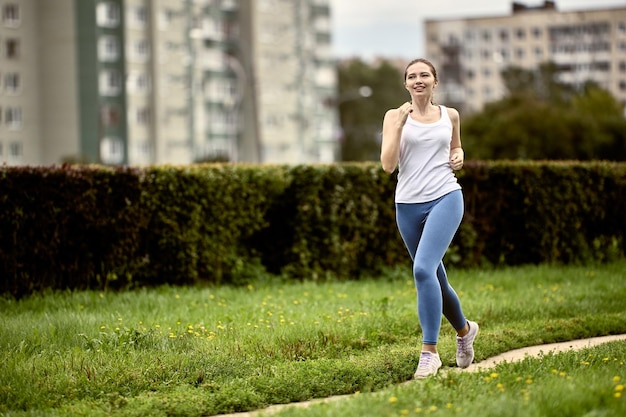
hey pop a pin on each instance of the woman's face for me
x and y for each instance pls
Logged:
(420, 80)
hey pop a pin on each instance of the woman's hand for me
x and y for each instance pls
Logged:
(403, 113)
(456, 158)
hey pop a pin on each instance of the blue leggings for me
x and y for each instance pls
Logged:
(427, 230)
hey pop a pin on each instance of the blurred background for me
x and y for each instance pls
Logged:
(142, 82)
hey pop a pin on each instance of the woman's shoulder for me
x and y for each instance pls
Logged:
(452, 113)
(392, 113)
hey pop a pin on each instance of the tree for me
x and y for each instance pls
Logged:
(361, 118)
(542, 118)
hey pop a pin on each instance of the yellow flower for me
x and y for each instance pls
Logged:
(616, 379)
(393, 399)
(619, 388)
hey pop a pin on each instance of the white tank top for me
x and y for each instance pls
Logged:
(424, 171)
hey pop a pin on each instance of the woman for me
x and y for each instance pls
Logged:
(423, 141)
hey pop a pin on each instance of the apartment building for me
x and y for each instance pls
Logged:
(471, 52)
(143, 82)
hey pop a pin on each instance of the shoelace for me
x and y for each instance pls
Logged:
(425, 360)
(460, 342)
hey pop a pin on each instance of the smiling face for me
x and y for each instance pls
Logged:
(420, 78)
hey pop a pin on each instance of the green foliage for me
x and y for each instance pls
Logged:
(199, 218)
(542, 212)
(324, 227)
(542, 118)
(99, 227)
(362, 118)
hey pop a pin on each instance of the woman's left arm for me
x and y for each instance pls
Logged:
(456, 150)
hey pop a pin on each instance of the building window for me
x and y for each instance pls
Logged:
(110, 83)
(12, 48)
(166, 17)
(538, 52)
(111, 150)
(108, 48)
(11, 15)
(141, 50)
(138, 82)
(12, 83)
(621, 27)
(110, 115)
(504, 35)
(142, 116)
(622, 85)
(13, 117)
(15, 153)
(139, 16)
(520, 33)
(537, 32)
(108, 15)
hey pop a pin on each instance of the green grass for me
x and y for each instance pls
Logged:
(589, 382)
(205, 351)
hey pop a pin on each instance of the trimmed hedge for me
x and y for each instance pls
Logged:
(79, 227)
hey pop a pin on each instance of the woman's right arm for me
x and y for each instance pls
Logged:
(393, 123)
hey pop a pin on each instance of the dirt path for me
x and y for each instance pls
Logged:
(511, 356)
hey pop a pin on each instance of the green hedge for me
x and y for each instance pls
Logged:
(78, 227)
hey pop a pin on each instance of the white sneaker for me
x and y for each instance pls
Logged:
(465, 346)
(428, 365)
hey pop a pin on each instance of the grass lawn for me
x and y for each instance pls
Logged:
(204, 351)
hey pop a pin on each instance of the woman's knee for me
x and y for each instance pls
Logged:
(423, 274)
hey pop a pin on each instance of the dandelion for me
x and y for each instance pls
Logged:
(619, 388)
(561, 373)
(616, 379)
(404, 412)
(393, 399)
(432, 408)
(494, 375)
(418, 410)
(449, 406)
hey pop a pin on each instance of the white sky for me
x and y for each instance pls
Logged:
(394, 28)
